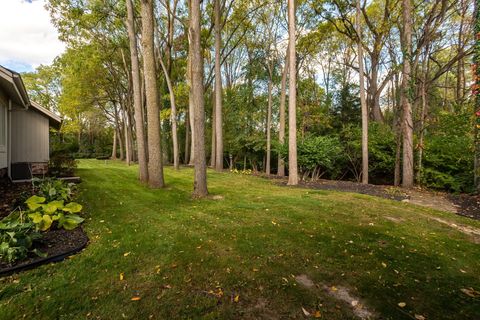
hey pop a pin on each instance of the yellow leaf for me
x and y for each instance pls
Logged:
(419, 317)
(317, 314)
(237, 298)
(255, 270)
(122, 276)
(402, 304)
(136, 298)
(334, 288)
(384, 264)
(126, 254)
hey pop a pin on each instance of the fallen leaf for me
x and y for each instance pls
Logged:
(237, 298)
(305, 312)
(317, 314)
(334, 288)
(471, 292)
(402, 304)
(126, 254)
(255, 270)
(136, 298)
(419, 317)
(122, 275)
(384, 264)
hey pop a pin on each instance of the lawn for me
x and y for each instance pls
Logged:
(237, 255)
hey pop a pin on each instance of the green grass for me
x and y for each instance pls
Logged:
(251, 243)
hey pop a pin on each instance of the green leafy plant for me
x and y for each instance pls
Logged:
(43, 214)
(54, 189)
(16, 240)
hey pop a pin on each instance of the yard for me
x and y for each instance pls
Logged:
(253, 249)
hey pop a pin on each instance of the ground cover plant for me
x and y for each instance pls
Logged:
(43, 211)
(253, 249)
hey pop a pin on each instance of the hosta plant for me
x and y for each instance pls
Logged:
(16, 239)
(43, 214)
(54, 189)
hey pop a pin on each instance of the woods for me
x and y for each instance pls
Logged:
(377, 92)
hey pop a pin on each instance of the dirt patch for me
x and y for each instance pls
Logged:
(305, 281)
(467, 205)
(358, 308)
(54, 243)
(468, 230)
(393, 219)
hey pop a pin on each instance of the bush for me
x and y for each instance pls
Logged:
(61, 164)
(448, 161)
(318, 156)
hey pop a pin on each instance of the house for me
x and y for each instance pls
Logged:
(24, 130)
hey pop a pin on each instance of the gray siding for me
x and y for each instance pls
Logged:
(30, 139)
(4, 130)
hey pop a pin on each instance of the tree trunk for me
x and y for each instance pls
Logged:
(190, 107)
(127, 140)
(292, 98)
(187, 136)
(155, 166)
(269, 124)
(213, 154)
(423, 113)
(173, 117)
(362, 100)
(407, 163)
(281, 131)
(200, 178)
(218, 90)
(114, 148)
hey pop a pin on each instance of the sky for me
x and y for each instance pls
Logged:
(27, 36)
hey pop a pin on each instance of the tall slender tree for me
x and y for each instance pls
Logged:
(155, 165)
(218, 89)
(292, 98)
(407, 161)
(197, 89)
(137, 94)
(363, 101)
(281, 129)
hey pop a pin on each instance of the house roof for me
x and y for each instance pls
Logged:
(12, 82)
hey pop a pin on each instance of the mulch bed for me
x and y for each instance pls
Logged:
(468, 205)
(56, 243)
(12, 195)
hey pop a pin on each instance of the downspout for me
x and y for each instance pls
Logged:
(9, 138)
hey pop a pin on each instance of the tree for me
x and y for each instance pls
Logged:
(292, 96)
(137, 95)
(407, 123)
(155, 165)
(281, 129)
(197, 89)
(218, 90)
(362, 99)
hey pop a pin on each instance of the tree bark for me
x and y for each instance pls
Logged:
(213, 154)
(173, 117)
(269, 122)
(292, 98)
(114, 148)
(127, 140)
(200, 178)
(190, 107)
(155, 165)
(218, 90)
(137, 95)
(187, 136)
(281, 130)
(362, 100)
(407, 163)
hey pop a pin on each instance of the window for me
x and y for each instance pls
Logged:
(3, 128)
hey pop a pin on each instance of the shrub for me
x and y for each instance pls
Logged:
(61, 165)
